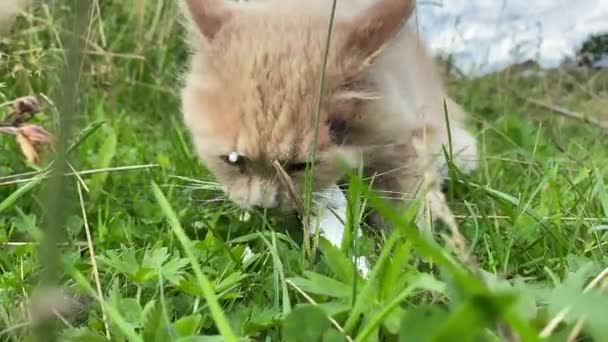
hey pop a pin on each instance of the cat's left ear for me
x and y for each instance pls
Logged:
(209, 15)
(366, 34)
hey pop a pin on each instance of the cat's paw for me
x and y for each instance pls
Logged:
(331, 223)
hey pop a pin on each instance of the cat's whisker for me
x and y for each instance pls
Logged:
(394, 198)
(191, 180)
(199, 182)
(381, 191)
(388, 172)
(382, 146)
(210, 187)
(319, 204)
(204, 194)
(203, 188)
(321, 197)
(387, 196)
(235, 211)
(195, 187)
(202, 199)
(385, 173)
(392, 192)
(205, 184)
(215, 200)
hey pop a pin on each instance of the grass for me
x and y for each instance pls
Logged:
(169, 257)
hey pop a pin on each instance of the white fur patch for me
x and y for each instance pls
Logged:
(247, 255)
(464, 149)
(465, 154)
(331, 216)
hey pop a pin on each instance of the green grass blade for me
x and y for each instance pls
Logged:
(422, 281)
(370, 286)
(278, 266)
(12, 198)
(113, 313)
(105, 156)
(206, 287)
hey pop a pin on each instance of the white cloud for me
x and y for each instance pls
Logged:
(486, 35)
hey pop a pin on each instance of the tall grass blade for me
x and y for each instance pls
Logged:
(205, 285)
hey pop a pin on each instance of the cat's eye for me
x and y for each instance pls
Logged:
(297, 167)
(234, 159)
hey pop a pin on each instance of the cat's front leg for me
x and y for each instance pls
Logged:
(396, 176)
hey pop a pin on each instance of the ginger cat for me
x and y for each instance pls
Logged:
(8, 11)
(251, 92)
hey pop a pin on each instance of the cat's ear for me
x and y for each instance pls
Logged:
(366, 34)
(332, 131)
(337, 130)
(208, 15)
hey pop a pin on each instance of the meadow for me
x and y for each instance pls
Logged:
(134, 242)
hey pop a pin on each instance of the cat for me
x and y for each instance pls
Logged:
(8, 11)
(251, 90)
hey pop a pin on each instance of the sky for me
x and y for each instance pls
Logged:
(488, 35)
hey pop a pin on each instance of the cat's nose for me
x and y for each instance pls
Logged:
(262, 194)
(270, 201)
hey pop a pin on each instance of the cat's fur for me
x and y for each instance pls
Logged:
(8, 11)
(253, 84)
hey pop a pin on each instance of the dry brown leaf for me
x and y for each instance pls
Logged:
(31, 138)
(26, 104)
(37, 135)
(27, 148)
(22, 110)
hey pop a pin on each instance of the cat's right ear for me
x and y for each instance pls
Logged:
(366, 34)
(208, 16)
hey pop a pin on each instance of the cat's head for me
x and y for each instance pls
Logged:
(252, 90)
